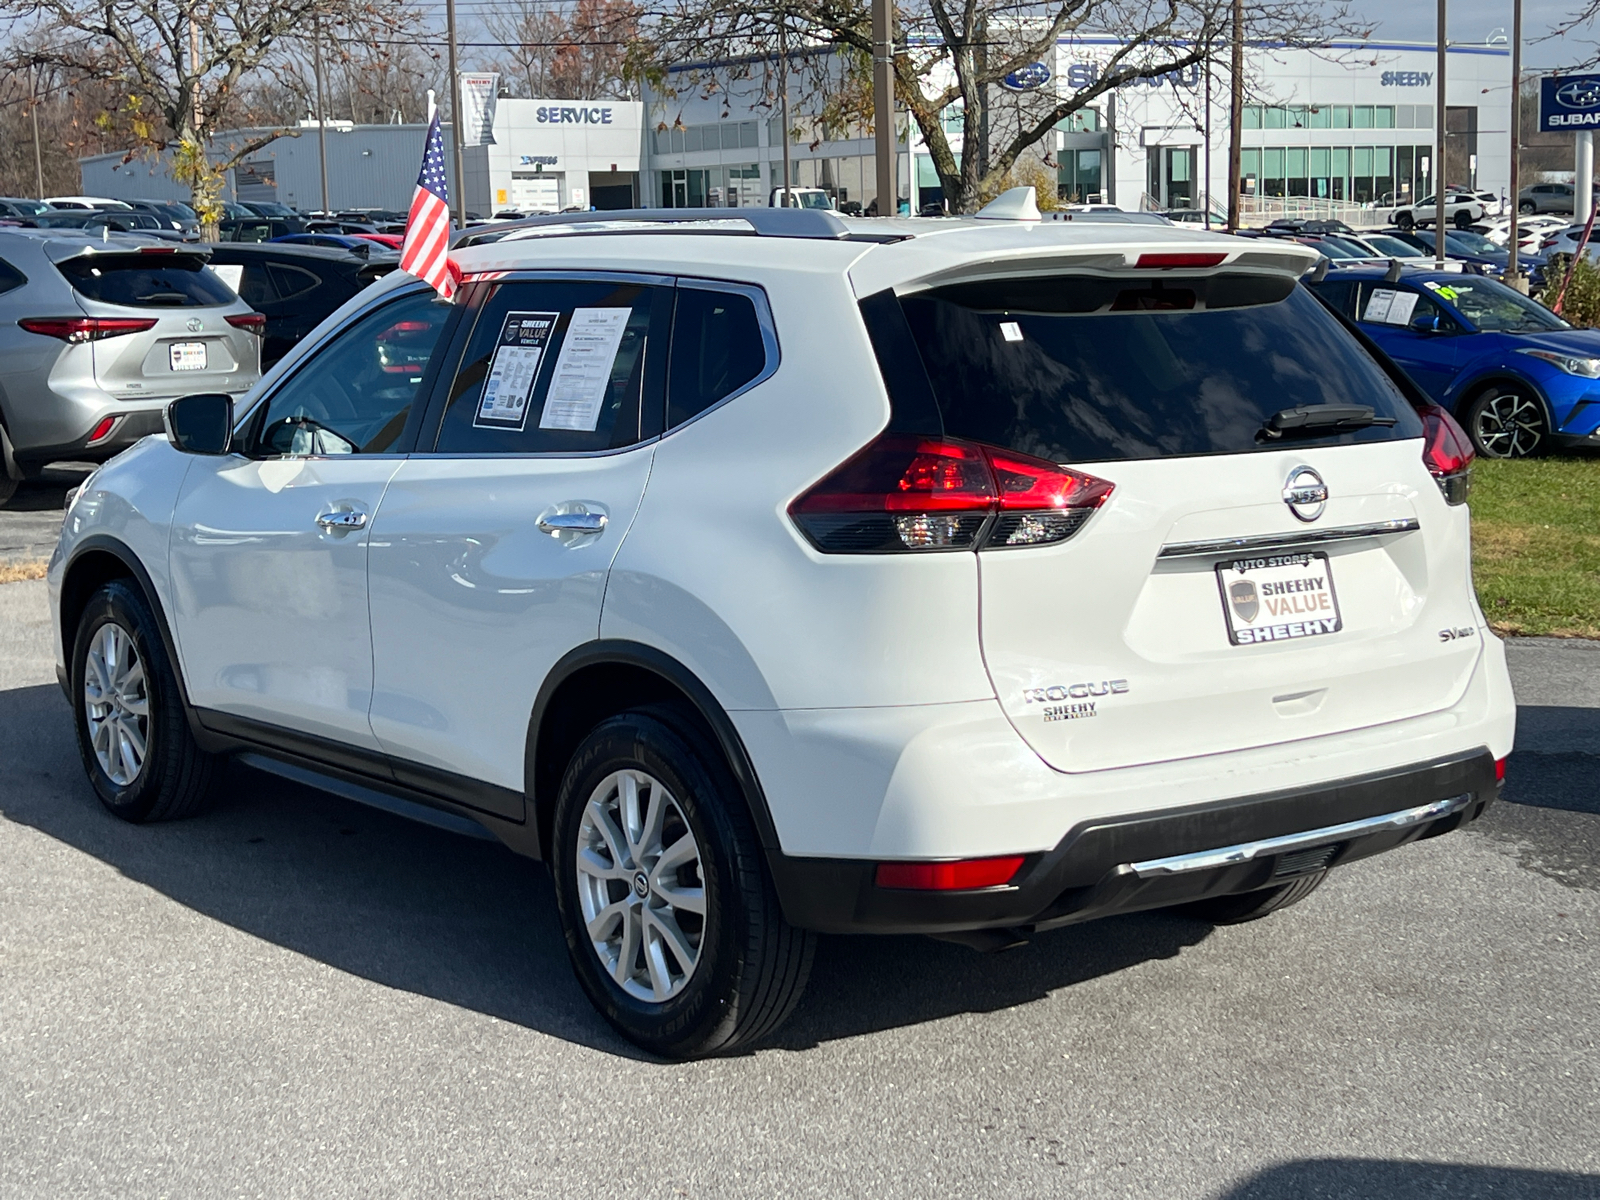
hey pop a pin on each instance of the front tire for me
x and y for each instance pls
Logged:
(672, 925)
(133, 734)
(1463, 219)
(1505, 422)
(1528, 207)
(1405, 221)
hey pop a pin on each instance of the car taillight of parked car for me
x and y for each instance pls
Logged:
(1448, 453)
(907, 492)
(254, 322)
(86, 329)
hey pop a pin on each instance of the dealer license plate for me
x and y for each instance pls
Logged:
(1278, 598)
(187, 356)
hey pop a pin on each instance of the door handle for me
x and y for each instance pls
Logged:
(342, 521)
(573, 522)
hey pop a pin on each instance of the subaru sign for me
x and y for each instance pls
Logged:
(1569, 103)
(1028, 78)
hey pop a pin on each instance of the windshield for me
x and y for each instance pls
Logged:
(146, 280)
(1392, 246)
(1494, 308)
(1334, 248)
(1476, 243)
(1087, 369)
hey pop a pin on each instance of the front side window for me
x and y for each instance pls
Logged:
(1096, 369)
(559, 366)
(1385, 304)
(354, 395)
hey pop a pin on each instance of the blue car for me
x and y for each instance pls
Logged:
(1518, 378)
(1463, 245)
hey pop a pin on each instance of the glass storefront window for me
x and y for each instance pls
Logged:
(1383, 174)
(1363, 114)
(1251, 117)
(1249, 171)
(1272, 177)
(1297, 117)
(1341, 116)
(1295, 170)
(1340, 175)
(1424, 116)
(1319, 117)
(1383, 117)
(1275, 118)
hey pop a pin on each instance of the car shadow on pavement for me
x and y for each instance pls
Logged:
(467, 922)
(1388, 1179)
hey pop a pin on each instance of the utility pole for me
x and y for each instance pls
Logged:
(783, 106)
(1236, 116)
(883, 132)
(194, 71)
(33, 108)
(1440, 174)
(455, 115)
(1514, 277)
(1207, 206)
(322, 112)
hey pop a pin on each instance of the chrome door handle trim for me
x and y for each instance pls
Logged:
(342, 520)
(1227, 856)
(576, 522)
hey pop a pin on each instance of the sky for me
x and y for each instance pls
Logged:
(1473, 20)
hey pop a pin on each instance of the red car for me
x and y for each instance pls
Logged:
(391, 240)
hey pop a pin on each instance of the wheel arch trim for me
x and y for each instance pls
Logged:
(618, 652)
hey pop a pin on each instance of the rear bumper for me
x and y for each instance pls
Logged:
(129, 427)
(1114, 864)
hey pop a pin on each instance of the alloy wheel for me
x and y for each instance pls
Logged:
(640, 886)
(117, 704)
(1508, 426)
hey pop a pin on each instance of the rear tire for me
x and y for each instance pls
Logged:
(133, 734)
(1504, 422)
(1463, 219)
(1252, 906)
(672, 924)
(8, 486)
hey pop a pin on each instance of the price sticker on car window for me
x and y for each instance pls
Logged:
(514, 370)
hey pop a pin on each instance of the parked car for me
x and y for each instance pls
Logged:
(99, 203)
(1530, 229)
(294, 287)
(13, 206)
(97, 335)
(1516, 376)
(800, 197)
(348, 228)
(1547, 198)
(1464, 246)
(389, 241)
(1383, 245)
(115, 221)
(1461, 209)
(637, 564)
(258, 229)
(268, 208)
(178, 217)
(361, 245)
(1566, 240)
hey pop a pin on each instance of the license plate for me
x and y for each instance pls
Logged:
(1278, 598)
(187, 356)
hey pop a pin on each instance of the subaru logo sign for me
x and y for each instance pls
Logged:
(1028, 78)
(1569, 103)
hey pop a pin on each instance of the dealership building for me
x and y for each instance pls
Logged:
(1348, 124)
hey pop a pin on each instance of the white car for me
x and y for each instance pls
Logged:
(769, 572)
(1461, 209)
(1530, 230)
(101, 203)
(1566, 240)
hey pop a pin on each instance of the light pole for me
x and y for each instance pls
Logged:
(1235, 116)
(1513, 276)
(455, 114)
(882, 109)
(322, 111)
(1440, 175)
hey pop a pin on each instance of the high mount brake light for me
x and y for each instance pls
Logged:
(86, 329)
(1181, 259)
(905, 492)
(1448, 453)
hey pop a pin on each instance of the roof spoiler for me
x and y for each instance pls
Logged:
(757, 222)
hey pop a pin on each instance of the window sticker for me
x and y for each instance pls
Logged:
(1378, 305)
(583, 370)
(1011, 331)
(1405, 303)
(1389, 307)
(514, 370)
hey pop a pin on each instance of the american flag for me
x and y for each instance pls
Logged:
(425, 252)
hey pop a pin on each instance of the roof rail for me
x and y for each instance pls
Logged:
(760, 222)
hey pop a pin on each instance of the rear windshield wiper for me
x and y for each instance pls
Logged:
(1313, 420)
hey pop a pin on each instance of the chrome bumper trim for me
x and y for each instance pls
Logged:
(1228, 856)
(1284, 541)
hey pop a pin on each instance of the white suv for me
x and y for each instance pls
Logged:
(1461, 209)
(775, 573)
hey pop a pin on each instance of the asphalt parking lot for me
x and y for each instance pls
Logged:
(298, 996)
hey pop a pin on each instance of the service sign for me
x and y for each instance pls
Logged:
(1569, 103)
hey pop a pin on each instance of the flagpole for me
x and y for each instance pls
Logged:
(460, 196)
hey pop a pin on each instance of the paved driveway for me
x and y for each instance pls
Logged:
(297, 996)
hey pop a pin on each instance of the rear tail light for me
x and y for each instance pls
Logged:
(86, 329)
(102, 430)
(949, 876)
(1448, 453)
(905, 492)
(1499, 770)
(253, 321)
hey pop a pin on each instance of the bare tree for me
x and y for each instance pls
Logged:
(171, 70)
(953, 56)
(562, 52)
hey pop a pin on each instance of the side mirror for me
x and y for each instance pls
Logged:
(1427, 324)
(202, 423)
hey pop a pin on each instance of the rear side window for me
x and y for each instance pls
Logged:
(146, 280)
(10, 278)
(559, 367)
(718, 347)
(290, 282)
(1096, 369)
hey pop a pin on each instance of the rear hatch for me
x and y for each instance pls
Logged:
(189, 346)
(1197, 611)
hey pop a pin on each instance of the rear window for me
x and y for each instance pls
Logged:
(1093, 369)
(146, 280)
